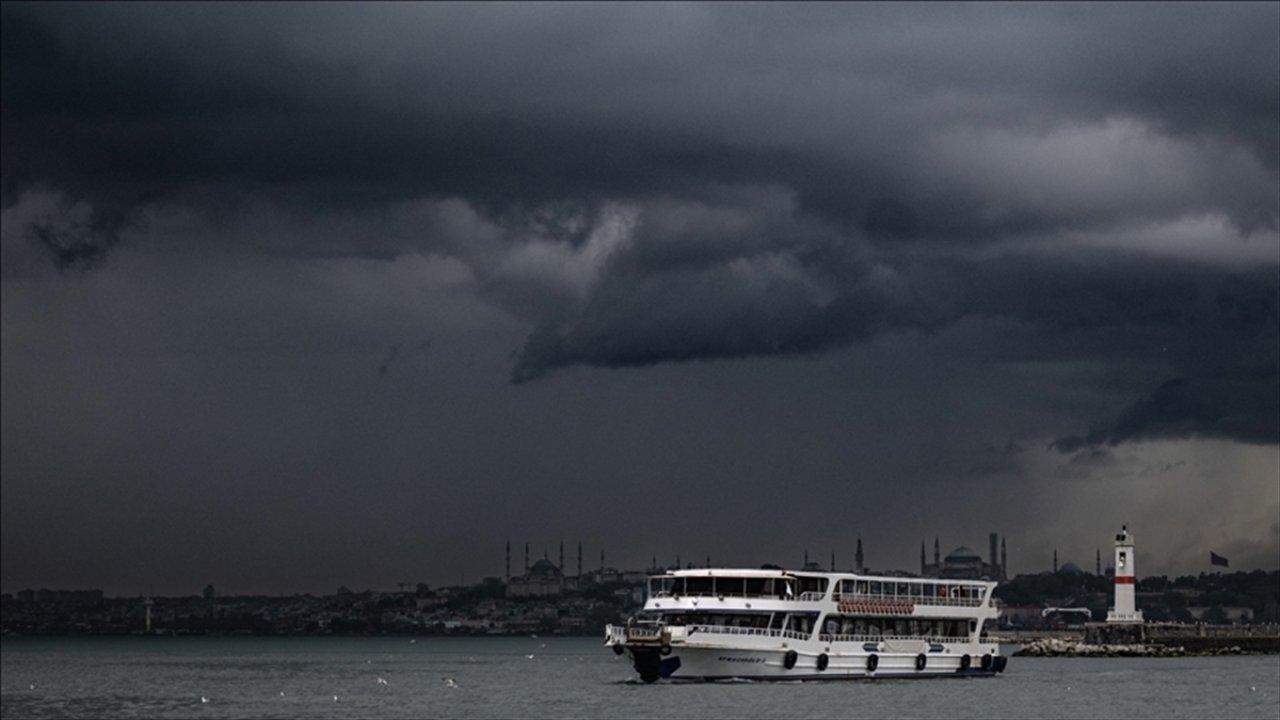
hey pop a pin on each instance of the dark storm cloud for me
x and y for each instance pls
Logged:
(1243, 409)
(836, 102)
(798, 178)
(1172, 317)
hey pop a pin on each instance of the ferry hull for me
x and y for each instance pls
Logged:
(704, 664)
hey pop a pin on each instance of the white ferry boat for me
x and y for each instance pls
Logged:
(713, 624)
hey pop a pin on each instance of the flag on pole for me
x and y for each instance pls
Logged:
(1216, 559)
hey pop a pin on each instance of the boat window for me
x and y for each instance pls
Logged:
(813, 584)
(756, 587)
(801, 622)
(745, 620)
(661, 586)
(855, 627)
(698, 586)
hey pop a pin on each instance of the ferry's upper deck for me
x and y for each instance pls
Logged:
(740, 587)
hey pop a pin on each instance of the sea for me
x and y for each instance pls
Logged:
(532, 677)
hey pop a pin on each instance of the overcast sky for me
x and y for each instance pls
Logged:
(298, 296)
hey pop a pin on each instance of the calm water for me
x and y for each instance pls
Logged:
(244, 677)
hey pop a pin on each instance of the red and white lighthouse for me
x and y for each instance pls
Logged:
(1124, 610)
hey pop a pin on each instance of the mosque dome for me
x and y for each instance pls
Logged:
(963, 554)
(543, 567)
(1070, 569)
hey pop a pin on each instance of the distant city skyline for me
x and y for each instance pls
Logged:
(1053, 563)
(294, 296)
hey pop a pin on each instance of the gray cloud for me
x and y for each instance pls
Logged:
(1065, 102)
(1019, 222)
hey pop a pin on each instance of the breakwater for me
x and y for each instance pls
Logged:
(1055, 647)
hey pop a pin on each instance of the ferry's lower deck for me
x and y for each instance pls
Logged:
(713, 656)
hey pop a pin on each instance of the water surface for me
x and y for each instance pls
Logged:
(571, 677)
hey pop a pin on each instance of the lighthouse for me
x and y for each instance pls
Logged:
(1124, 611)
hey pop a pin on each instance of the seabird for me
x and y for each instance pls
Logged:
(382, 681)
(450, 682)
(203, 699)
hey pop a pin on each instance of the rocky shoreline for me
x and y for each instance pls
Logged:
(1052, 647)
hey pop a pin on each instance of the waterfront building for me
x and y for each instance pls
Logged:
(544, 578)
(964, 563)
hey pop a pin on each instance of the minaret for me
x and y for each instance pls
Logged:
(562, 556)
(579, 558)
(833, 561)
(937, 556)
(526, 558)
(508, 574)
(678, 567)
(602, 562)
(1097, 563)
(1004, 560)
(922, 564)
(857, 558)
(1124, 610)
(806, 560)
(708, 561)
(1055, 560)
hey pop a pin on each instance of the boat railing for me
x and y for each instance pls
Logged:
(802, 597)
(824, 637)
(915, 599)
(691, 630)
(624, 633)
